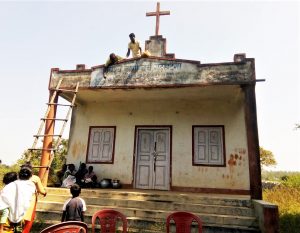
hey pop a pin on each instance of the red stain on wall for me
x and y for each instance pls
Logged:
(237, 158)
(232, 161)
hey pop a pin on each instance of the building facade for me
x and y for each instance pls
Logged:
(164, 123)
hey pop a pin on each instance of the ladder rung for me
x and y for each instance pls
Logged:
(47, 135)
(70, 105)
(56, 119)
(45, 149)
(41, 167)
(66, 90)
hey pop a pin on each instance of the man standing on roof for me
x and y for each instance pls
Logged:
(134, 46)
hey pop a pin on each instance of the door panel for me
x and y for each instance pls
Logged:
(162, 163)
(160, 174)
(153, 159)
(143, 179)
(144, 160)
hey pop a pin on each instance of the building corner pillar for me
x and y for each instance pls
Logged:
(252, 142)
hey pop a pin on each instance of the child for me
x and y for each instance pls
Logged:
(17, 196)
(90, 178)
(60, 174)
(69, 177)
(7, 178)
(81, 173)
(30, 213)
(74, 208)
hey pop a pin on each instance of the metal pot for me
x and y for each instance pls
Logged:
(105, 183)
(116, 184)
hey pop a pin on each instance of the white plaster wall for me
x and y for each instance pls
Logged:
(181, 114)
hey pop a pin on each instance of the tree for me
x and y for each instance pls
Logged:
(58, 160)
(266, 158)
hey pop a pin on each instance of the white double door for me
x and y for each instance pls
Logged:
(153, 159)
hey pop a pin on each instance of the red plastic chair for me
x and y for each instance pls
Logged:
(67, 227)
(108, 220)
(183, 222)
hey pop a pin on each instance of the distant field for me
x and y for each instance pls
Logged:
(276, 175)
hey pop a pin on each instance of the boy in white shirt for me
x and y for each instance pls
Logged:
(4, 210)
(17, 196)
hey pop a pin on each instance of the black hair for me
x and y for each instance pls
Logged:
(75, 190)
(25, 173)
(131, 35)
(82, 166)
(10, 177)
(27, 164)
(71, 165)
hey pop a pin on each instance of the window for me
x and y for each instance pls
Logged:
(101, 144)
(208, 145)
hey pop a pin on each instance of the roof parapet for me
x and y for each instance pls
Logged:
(80, 67)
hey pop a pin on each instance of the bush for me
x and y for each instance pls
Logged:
(290, 223)
(292, 181)
(288, 201)
(4, 169)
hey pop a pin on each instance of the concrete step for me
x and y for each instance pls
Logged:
(178, 197)
(159, 204)
(156, 214)
(147, 210)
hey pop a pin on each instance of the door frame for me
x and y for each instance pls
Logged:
(138, 127)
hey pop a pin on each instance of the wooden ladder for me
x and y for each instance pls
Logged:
(38, 136)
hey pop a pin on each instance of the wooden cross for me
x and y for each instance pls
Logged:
(157, 13)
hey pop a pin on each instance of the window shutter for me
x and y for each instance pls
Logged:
(208, 146)
(101, 145)
(201, 145)
(215, 146)
(106, 145)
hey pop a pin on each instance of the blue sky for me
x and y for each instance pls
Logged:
(37, 36)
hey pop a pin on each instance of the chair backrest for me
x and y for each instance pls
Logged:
(67, 227)
(183, 222)
(108, 220)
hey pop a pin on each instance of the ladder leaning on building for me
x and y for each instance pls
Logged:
(47, 123)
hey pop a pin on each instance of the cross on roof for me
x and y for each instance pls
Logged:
(157, 13)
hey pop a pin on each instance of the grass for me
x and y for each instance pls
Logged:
(288, 201)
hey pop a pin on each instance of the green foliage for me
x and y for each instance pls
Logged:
(292, 181)
(4, 169)
(266, 157)
(58, 161)
(290, 223)
(287, 197)
(288, 201)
